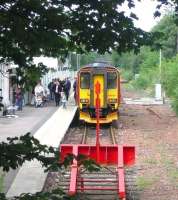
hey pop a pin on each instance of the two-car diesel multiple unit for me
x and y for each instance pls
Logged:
(109, 79)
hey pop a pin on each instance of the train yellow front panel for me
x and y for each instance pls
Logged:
(84, 94)
(100, 79)
(112, 94)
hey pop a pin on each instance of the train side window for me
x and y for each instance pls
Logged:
(111, 80)
(85, 80)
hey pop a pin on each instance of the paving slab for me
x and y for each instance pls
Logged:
(30, 179)
(28, 120)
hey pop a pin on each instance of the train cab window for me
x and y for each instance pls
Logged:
(85, 80)
(111, 80)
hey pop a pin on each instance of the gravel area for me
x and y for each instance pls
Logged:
(154, 132)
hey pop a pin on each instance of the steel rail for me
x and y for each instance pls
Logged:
(113, 135)
(84, 137)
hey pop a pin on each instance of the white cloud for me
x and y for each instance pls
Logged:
(145, 12)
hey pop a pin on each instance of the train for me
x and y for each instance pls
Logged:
(108, 77)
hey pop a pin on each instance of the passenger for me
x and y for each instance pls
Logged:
(63, 99)
(39, 94)
(57, 92)
(50, 87)
(39, 89)
(67, 86)
(74, 89)
(62, 83)
(19, 98)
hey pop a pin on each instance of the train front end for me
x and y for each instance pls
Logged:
(109, 80)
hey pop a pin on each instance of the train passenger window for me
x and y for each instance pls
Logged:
(85, 80)
(111, 80)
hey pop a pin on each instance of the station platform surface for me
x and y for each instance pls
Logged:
(30, 177)
(53, 131)
(28, 120)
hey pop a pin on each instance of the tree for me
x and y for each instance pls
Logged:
(32, 28)
(169, 35)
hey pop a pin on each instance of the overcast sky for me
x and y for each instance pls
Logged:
(144, 11)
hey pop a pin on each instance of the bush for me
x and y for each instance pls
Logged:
(170, 81)
(146, 79)
(127, 75)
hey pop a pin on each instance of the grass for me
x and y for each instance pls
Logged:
(145, 182)
(151, 161)
(173, 176)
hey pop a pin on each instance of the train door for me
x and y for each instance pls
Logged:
(100, 79)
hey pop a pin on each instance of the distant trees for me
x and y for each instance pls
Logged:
(168, 39)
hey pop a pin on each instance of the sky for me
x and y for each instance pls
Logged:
(144, 11)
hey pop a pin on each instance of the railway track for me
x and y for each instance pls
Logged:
(105, 181)
(107, 135)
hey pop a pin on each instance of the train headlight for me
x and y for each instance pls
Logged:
(112, 100)
(84, 101)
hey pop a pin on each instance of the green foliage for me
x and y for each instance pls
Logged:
(1, 181)
(168, 35)
(128, 61)
(145, 182)
(170, 81)
(31, 75)
(147, 79)
(53, 28)
(56, 194)
(126, 75)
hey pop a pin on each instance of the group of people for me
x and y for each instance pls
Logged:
(59, 91)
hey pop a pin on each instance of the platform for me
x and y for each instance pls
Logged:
(53, 131)
(31, 176)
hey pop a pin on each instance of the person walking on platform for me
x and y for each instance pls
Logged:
(57, 92)
(74, 89)
(67, 86)
(50, 87)
(63, 99)
(19, 98)
(39, 94)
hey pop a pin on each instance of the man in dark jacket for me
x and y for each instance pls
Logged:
(57, 92)
(50, 87)
(74, 89)
(67, 86)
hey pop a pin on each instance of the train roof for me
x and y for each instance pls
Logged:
(99, 64)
